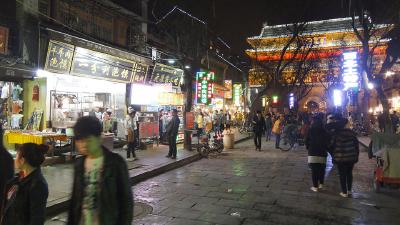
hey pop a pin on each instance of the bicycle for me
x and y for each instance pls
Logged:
(289, 137)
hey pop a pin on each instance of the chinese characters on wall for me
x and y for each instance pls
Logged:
(204, 87)
(166, 74)
(67, 59)
(59, 57)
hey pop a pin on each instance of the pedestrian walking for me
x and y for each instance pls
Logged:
(277, 130)
(101, 193)
(6, 167)
(395, 121)
(259, 129)
(317, 143)
(268, 126)
(345, 151)
(172, 132)
(25, 196)
(131, 127)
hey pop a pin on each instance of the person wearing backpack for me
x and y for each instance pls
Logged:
(345, 152)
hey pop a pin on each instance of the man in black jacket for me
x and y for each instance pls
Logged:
(6, 167)
(172, 131)
(258, 128)
(101, 192)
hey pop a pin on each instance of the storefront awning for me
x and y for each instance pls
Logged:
(16, 73)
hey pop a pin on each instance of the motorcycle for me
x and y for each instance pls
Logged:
(204, 148)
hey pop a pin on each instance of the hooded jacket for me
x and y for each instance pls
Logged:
(345, 147)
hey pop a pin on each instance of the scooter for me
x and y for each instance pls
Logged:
(205, 147)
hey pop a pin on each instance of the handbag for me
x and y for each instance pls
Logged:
(131, 135)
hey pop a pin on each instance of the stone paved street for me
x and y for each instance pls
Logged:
(270, 187)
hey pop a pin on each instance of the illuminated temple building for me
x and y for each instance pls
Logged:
(330, 39)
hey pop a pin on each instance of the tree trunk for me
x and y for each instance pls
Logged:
(385, 105)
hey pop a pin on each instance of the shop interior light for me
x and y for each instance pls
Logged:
(171, 61)
(42, 73)
(389, 73)
(370, 86)
(275, 99)
(337, 97)
(187, 67)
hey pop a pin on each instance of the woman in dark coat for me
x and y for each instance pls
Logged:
(26, 195)
(6, 167)
(345, 151)
(317, 143)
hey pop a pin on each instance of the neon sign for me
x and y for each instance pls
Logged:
(204, 87)
(350, 70)
(237, 94)
(291, 100)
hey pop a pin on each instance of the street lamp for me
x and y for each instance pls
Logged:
(337, 97)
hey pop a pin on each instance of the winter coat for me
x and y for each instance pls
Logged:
(345, 147)
(173, 126)
(268, 123)
(317, 142)
(115, 197)
(6, 171)
(258, 124)
(27, 206)
(277, 128)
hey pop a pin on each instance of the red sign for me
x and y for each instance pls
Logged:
(189, 122)
(148, 129)
(3, 40)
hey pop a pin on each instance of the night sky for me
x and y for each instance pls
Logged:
(235, 20)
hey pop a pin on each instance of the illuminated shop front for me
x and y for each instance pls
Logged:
(85, 82)
(161, 95)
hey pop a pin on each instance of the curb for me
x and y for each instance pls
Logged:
(61, 205)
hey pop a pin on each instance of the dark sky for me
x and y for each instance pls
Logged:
(235, 20)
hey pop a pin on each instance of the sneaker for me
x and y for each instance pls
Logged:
(314, 189)
(344, 195)
(320, 186)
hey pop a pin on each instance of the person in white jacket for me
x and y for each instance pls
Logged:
(131, 132)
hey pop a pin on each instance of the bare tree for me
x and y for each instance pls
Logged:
(374, 30)
(290, 73)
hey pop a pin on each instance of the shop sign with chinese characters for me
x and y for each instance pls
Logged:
(166, 74)
(95, 64)
(3, 40)
(204, 88)
(59, 57)
(350, 71)
(228, 86)
(237, 94)
(67, 59)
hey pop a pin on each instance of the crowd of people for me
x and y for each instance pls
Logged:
(101, 192)
(217, 121)
(322, 134)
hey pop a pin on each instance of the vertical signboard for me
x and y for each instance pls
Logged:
(228, 86)
(350, 72)
(237, 94)
(3, 40)
(204, 87)
(59, 57)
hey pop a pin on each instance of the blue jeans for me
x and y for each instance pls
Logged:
(277, 140)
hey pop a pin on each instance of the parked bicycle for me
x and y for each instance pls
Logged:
(208, 145)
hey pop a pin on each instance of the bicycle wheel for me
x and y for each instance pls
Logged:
(285, 144)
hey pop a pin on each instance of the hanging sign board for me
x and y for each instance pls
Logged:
(166, 74)
(59, 57)
(67, 59)
(204, 89)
